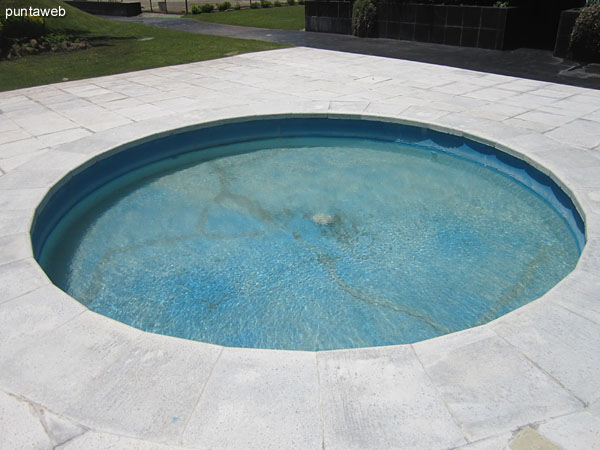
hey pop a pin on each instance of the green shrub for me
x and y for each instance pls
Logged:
(585, 38)
(265, 3)
(291, 2)
(255, 5)
(28, 27)
(237, 6)
(4, 43)
(54, 38)
(301, 2)
(277, 3)
(207, 8)
(224, 6)
(196, 9)
(364, 18)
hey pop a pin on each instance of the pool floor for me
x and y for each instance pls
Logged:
(311, 244)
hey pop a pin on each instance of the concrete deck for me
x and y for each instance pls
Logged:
(535, 64)
(72, 379)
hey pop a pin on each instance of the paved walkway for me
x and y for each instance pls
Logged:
(71, 379)
(525, 63)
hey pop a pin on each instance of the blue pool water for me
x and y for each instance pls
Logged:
(309, 242)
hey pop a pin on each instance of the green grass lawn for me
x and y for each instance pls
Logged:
(283, 18)
(116, 48)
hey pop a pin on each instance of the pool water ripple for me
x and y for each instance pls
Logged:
(310, 244)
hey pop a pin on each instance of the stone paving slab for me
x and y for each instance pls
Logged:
(18, 203)
(264, 399)
(108, 385)
(54, 368)
(14, 247)
(557, 339)
(579, 431)
(579, 294)
(20, 427)
(104, 441)
(20, 277)
(150, 391)
(476, 373)
(528, 439)
(34, 314)
(494, 443)
(382, 398)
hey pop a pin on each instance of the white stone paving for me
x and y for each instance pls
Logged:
(258, 398)
(382, 398)
(72, 379)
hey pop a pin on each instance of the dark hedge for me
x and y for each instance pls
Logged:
(585, 39)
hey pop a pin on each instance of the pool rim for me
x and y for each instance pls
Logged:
(106, 153)
(521, 364)
(105, 143)
(103, 153)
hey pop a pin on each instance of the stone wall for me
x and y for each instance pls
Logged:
(565, 28)
(530, 23)
(328, 16)
(108, 8)
(467, 26)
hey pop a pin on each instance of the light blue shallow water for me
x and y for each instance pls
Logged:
(310, 244)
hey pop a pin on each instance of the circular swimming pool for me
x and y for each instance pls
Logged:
(307, 234)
